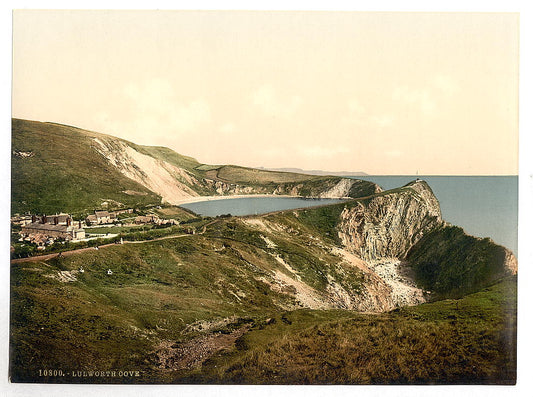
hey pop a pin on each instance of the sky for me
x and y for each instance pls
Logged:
(382, 93)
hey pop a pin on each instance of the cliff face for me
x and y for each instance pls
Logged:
(387, 226)
(174, 183)
(168, 181)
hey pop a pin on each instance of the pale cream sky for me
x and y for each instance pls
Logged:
(383, 93)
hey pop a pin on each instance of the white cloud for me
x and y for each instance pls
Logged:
(355, 107)
(394, 153)
(188, 117)
(156, 104)
(361, 116)
(383, 120)
(272, 104)
(418, 98)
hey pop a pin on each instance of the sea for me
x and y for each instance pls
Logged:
(254, 205)
(484, 206)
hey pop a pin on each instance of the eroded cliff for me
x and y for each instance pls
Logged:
(175, 183)
(388, 225)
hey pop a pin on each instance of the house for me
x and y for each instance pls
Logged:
(91, 219)
(21, 220)
(143, 219)
(101, 217)
(48, 228)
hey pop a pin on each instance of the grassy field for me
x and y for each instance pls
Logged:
(198, 290)
(466, 341)
(235, 174)
(173, 212)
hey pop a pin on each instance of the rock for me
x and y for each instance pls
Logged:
(388, 225)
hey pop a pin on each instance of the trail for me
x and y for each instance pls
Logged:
(40, 258)
(194, 353)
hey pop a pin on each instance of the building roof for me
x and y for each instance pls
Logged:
(49, 227)
(101, 214)
(45, 227)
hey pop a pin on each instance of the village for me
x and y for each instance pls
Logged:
(45, 230)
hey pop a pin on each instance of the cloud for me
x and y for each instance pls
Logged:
(150, 112)
(156, 103)
(383, 120)
(272, 104)
(394, 153)
(355, 107)
(417, 98)
(188, 117)
(360, 115)
(429, 100)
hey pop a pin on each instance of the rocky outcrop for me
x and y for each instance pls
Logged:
(380, 231)
(341, 189)
(388, 225)
(510, 262)
(170, 182)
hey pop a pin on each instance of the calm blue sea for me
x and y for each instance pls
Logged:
(253, 205)
(484, 206)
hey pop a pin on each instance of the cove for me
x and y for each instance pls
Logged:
(254, 205)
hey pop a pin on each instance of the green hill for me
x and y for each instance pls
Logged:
(249, 300)
(59, 168)
(64, 173)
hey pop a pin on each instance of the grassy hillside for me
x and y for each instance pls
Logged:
(166, 296)
(451, 263)
(235, 174)
(226, 305)
(206, 308)
(466, 341)
(64, 173)
(168, 290)
(57, 168)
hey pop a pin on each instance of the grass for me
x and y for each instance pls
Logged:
(171, 291)
(174, 212)
(452, 263)
(466, 341)
(236, 174)
(65, 173)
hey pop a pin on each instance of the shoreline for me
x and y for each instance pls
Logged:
(197, 199)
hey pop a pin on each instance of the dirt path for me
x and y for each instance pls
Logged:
(39, 258)
(194, 353)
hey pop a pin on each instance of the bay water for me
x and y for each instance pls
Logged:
(253, 205)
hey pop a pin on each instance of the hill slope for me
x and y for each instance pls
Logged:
(61, 168)
(269, 299)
